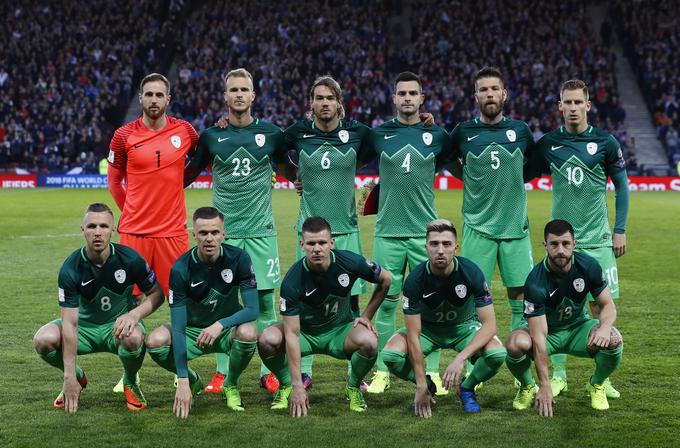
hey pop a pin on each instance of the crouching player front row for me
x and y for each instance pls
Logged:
(317, 318)
(205, 313)
(447, 304)
(555, 295)
(98, 310)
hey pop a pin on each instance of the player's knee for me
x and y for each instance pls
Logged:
(615, 339)
(158, 338)
(46, 340)
(132, 342)
(495, 357)
(367, 343)
(519, 343)
(246, 333)
(397, 342)
(270, 340)
(516, 293)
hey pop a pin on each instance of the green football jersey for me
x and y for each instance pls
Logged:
(562, 297)
(327, 165)
(408, 158)
(210, 292)
(580, 164)
(104, 293)
(446, 301)
(494, 197)
(242, 174)
(322, 300)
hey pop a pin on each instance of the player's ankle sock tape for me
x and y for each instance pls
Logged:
(398, 363)
(606, 361)
(559, 366)
(517, 316)
(520, 369)
(432, 361)
(360, 366)
(132, 362)
(239, 357)
(385, 325)
(486, 367)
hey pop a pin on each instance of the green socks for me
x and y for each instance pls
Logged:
(517, 310)
(520, 369)
(399, 364)
(56, 359)
(239, 356)
(559, 366)
(485, 367)
(360, 366)
(164, 358)
(606, 361)
(279, 365)
(432, 362)
(385, 326)
(132, 362)
(266, 318)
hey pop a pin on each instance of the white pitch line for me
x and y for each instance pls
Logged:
(48, 235)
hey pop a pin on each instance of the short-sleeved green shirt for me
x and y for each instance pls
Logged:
(580, 164)
(241, 160)
(562, 298)
(446, 301)
(104, 293)
(210, 293)
(322, 300)
(408, 157)
(494, 197)
(327, 165)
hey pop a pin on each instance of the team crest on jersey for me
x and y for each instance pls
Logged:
(579, 285)
(461, 290)
(260, 139)
(343, 279)
(427, 138)
(591, 148)
(176, 141)
(111, 156)
(511, 135)
(344, 136)
(227, 275)
(120, 275)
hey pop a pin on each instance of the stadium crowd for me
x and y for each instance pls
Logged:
(57, 112)
(650, 35)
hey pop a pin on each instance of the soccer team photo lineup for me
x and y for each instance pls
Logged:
(316, 223)
(224, 284)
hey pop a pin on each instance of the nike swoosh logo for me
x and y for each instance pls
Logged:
(473, 137)
(387, 137)
(309, 293)
(193, 285)
(87, 282)
(553, 293)
(552, 148)
(307, 135)
(220, 140)
(425, 296)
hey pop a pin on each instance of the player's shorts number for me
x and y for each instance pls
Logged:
(241, 167)
(575, 175)
(495, 161)
(325, 161)
(612, 276)
(274, 267)
(566, 313)
(330, 310)
(446, 316)
(407, 163)
(105, 303)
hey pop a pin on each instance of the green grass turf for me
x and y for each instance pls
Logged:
(40, 228)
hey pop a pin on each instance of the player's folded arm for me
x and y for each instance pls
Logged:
(250, 311)
(199, 160)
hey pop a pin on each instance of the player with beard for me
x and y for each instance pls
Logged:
(149, 154)
(491, 149)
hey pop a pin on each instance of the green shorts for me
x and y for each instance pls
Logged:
(264, 253)
(94, 338)
(570, 341)
(394, 253)
(331, 342)
(343, 241)
(457, 338)
(514, 256)
(221, 345)
(605, 256)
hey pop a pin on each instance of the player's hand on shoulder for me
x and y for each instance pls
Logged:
(366, 323)
(71, 394)
(619, 243)
(223, 122)
(298, 186)
(208, 336)
(544, 401)
(298, 402)
(183, 398)
(427, 118)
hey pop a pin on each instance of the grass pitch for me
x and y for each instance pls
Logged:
(40, 228)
